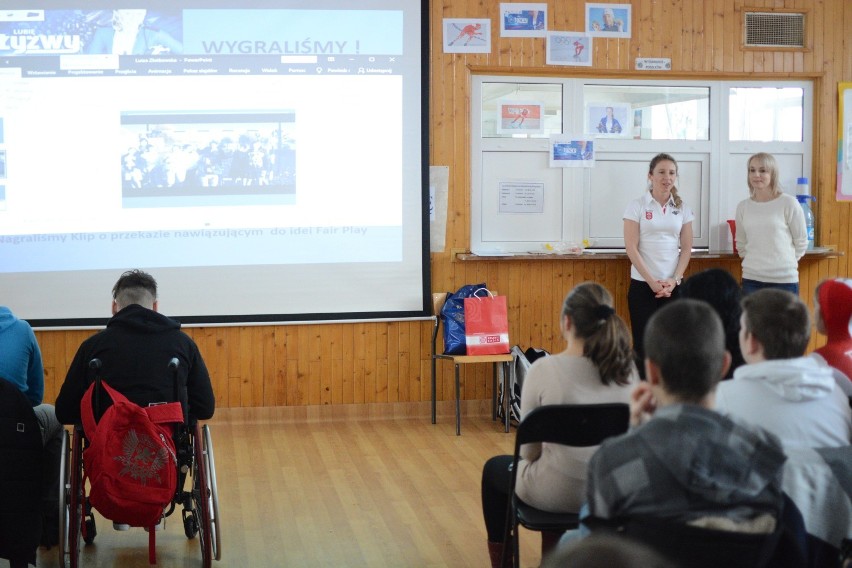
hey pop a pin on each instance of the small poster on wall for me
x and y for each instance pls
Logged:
(523, 20)
(569, 48)
(520, 117)
(610, 120)
(467, 35)
(608, 20)
(571, 152)
(844, 144)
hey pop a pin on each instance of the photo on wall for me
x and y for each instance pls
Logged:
(569, 48)
(523, 20)
(467, 35)
(571, 152)
(610, 120)
(520, 117)
(608, 20)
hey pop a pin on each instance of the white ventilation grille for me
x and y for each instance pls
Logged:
(772, 29)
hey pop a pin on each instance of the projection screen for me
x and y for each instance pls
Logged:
(264, 163)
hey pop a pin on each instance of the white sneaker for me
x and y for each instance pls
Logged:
(158, 527)
(120, 527)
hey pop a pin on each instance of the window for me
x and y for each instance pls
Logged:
(520, 204)
(766, 114)
(657, 112)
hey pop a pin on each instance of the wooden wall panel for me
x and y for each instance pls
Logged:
(352, 363)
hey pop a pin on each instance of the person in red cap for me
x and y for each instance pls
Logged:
(832, 312)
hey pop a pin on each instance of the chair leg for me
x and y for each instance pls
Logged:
(493, 392)
(516, 547)
(458, 403)
(507, 400)
(434, 393)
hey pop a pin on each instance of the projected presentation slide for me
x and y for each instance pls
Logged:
(223, 136)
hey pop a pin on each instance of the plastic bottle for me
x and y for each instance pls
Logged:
(810, 221)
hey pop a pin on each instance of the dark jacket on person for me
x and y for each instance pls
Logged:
(138, 351)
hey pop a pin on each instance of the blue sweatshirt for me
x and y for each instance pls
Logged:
(20, 357)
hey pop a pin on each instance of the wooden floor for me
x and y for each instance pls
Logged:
(309, 489)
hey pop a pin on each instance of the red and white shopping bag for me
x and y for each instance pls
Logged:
(486, 324)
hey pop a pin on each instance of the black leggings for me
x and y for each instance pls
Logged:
(496, 479)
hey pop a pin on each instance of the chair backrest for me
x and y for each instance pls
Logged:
(19, 427)
(693, 546)
(438, 299)
(699, 547)
(20, 474)
(580, 425)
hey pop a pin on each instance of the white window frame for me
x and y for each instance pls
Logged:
(720, 164)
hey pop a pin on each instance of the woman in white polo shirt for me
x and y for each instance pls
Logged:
(658, 241)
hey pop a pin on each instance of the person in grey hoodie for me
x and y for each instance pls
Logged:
(779, 389)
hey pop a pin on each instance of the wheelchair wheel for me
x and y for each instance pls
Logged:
(210, 472)
(201, 500)
(64, 488)
(71, 500)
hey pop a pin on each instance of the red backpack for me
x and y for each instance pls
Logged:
(130, 460)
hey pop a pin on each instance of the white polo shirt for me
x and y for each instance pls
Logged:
(659, 234)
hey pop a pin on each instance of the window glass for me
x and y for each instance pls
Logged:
(766, 114)
(648, 112)
(521, 110)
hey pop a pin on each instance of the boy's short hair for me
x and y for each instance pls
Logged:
(135, 287)
(779, 320)
(686, 341)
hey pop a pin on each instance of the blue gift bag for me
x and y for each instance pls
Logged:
(452, 315)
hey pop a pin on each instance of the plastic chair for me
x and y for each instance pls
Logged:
(20, 477)
(576, 425)
(438, 299)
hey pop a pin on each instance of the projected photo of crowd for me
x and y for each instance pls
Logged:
(207, 155)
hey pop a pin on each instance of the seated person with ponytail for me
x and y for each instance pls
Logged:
(595, 367)
(136, 351)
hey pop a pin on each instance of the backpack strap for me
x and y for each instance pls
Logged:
(87, 414)
(165, 413)
(158, 414)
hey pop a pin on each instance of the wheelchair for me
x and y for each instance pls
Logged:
(199, 500)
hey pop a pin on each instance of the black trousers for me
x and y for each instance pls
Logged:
(642, 303)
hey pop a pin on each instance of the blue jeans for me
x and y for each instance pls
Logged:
(750, 286)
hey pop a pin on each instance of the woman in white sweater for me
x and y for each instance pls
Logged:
(595, 367)
(771, 232)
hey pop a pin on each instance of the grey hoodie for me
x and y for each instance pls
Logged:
(797, 399)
